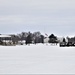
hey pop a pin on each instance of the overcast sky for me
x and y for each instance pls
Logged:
(46, 16)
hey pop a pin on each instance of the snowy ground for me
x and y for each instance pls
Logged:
(37, 59)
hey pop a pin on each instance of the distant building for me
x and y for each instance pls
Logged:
(5, 39)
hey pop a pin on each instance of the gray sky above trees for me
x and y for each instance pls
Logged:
(46, 16)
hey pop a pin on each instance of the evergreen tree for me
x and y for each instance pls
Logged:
(29, 39)
(64, 40)
(52, 38)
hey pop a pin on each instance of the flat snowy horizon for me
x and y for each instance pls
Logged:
(37, 59)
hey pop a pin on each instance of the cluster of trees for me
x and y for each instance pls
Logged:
(29, 37)
(69, 42)
(34, 38)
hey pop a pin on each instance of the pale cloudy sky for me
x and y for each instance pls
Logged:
(46, 16)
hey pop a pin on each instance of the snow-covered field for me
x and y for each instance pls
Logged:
(37, 59)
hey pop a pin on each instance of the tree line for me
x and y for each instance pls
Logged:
(34, 38)
(37, 37)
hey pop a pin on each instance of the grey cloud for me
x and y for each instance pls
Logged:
(50, 16)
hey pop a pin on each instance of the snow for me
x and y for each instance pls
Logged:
(46, 40)
(37, 59)
(5, 36)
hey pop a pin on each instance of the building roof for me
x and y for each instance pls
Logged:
(4, 36)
